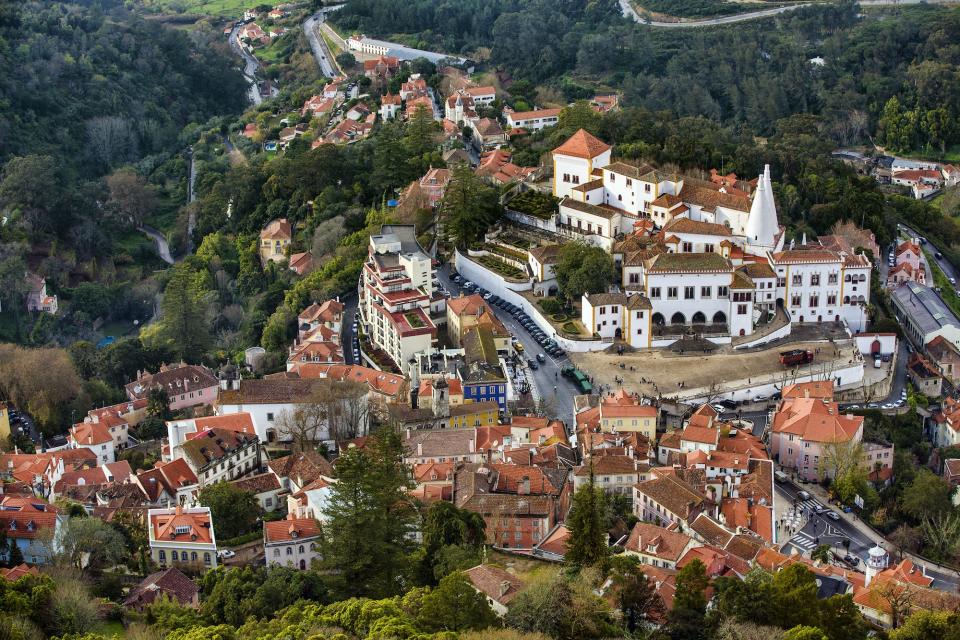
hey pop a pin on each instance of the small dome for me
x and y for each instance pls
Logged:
(877, 552)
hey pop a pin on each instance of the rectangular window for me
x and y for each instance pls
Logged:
(797, 279)
(706, 292)
(814, 301)
(721, 292)
(832, 278)
(634, 278)
(741, 309)
(689, 293)
(814, 279)
(831, 299)
(795, 300)
(708, 248)
(269, 417)
(646, 188)
(671, 293)
(781, 282)
(688, 247)
(654, 292)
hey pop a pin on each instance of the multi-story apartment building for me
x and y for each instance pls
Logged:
(395, 294)
(221, 454)
(182, 536)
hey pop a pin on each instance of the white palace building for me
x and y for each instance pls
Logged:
(696, 256)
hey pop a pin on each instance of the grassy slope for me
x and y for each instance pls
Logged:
(220, 8)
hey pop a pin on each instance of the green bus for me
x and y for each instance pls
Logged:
(579, 378)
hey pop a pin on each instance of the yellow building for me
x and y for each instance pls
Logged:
(275, 241)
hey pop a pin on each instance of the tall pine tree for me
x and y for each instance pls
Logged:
(365, 545)
(587, 525)
(185, 314)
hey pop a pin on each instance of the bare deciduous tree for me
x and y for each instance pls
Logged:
(131, 200)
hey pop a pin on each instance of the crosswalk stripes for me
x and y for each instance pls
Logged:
(802, 541)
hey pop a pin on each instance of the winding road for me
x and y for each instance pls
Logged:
(630, 12)
(250, 65)
(317, 45)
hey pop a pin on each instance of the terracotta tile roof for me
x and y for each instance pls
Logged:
(433, 471)
(15, 573)
(240, 422)
(181, 525)
(306, 466)
(644, 172)
(556, 542)
(169, 582)
(703, 435)
(548, 254)
(176, 379)
(711, 531)
(673, 494)
(686, 225)
(744, 547)
(90, 433)
(817, 389)
(604, 465)
(582, 145)
(290, 530)
(260, 483)
(210, 445)
(471, 305)
(76, 458)
(270, 391)
(708, 196)
(328, 311)
(540, 113)
(586, 207)
(277, 230)
(816, 420)
(597, 299)
(24, 518)
(495, 583)
(649, 539)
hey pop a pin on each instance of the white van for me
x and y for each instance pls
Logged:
(877, 363)
(780, 476)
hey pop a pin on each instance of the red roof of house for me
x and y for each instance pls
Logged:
(290, 529)
(90, 433)
(196, 520)
(582, 145)
(15, 573)
(24, 517)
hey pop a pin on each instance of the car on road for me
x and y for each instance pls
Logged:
(803, 495)
(833, 515)
(532, 364)
(517, 346)
(541, 357)
(455, 279)
(852, 560)
(760, 398)
(729, 404)
(719, 408)
(780, 476)
(226, 554)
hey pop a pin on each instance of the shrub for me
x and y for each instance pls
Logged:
(571, 327)
(551, 305)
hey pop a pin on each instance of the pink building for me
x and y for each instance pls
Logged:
(187, 385)
(434, 184)
(806, 421)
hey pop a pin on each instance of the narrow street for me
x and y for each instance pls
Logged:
(557, 391)
(250, 66)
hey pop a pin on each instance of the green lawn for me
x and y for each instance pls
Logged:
(111, 629)
(220, 8)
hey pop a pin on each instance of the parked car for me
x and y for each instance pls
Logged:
(532, 364)
(541, 357)
(803, 495)
(719, 408)
(226, 554)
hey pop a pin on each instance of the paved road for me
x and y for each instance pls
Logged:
(630, 12)
(547, 376)
(317, 45)
(819, 528)
(250, 65)
(162, 247)
(346, 330)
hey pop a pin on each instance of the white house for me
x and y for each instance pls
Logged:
(533, 120)
(291, 543)
(93, 436)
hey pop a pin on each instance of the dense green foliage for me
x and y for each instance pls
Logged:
(101, 87)
(697, 8)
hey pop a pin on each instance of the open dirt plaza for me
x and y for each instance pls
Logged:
(660, 372)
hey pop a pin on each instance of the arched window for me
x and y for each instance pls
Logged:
(301, 549)
(699, 318)
(206, 558)
(289, 551)
(846, 299)
(678, 318)
(276, 552)
(163, 555)
(313, 546)
(193, 556)
(174, 556)
(719, 318)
